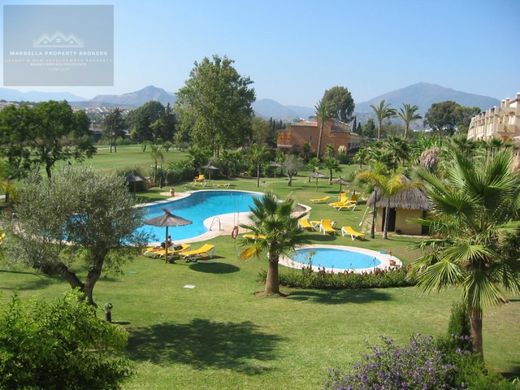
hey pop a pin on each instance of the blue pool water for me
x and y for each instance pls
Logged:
(196, 208)
(338, 259)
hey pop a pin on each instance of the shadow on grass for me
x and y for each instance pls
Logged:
(321, 237)
(205, 344)
(339, 296)
(214, 268)
(39, 281)
(513, 372)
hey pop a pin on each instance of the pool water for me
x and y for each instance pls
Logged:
(338, 259)
(197, 207)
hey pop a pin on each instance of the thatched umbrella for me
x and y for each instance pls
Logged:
(167, 220)
(133, 178)
(317, 175)
(341, 182)
(208, 167)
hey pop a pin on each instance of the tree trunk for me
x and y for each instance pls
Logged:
(59, 268)
(373, 228)
(406, 130)
(290, 181)
(387, 215)
(93, 276)
(319, 140)
(257, 175)
(272, 283)
(475, 316)
(330, 177)
(48, 170)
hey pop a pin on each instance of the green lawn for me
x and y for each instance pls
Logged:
(221, 335)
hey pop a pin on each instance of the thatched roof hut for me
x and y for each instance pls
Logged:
(406, 210)
(411, 199)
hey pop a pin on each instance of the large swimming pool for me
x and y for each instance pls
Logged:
(338, 258)
(197, 207)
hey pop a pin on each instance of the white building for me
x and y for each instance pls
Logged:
(498, 122)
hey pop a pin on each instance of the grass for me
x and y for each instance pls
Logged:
(220, 335)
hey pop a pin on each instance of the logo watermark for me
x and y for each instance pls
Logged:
(58, 45)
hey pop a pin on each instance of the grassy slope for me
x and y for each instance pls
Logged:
(220, 335)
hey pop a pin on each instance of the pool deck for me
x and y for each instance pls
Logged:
(387, 261)
(217, 225)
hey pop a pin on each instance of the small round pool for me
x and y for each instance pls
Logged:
(336, 258)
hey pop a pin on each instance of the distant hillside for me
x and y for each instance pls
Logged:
(268, 108)
(424, 95)
(14, 95)
(137, 98)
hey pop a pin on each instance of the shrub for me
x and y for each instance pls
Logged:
(418, 365)
(179, 171)
(307, 278)
(59, 345)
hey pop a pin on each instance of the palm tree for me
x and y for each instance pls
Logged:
(258, 154)
(156, 154)
(382, 111)
(323, 114)
(332, 164)
(386, 185)
(408, 114)
(473, 248)
(273, 220)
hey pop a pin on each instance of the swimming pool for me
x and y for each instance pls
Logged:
(337, 258)
(196, 207)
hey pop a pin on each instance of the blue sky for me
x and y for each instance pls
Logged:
(294, 49)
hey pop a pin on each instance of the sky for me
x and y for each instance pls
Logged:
(295, 49)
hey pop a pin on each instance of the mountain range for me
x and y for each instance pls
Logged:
(421, 94)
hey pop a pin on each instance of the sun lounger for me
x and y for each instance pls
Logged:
(326, 227)
(320, 200)
(199, 179)
(205, 251)
(347, 230)
(156, 252)
(252, 236)
(305, 224)
(347, 205)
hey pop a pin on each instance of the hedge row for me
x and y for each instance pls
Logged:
(308, 278)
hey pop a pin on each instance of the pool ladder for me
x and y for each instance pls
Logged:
(216, 219)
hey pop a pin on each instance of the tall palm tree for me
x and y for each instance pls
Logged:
(474, 245)
(387, 185)
(382, 111)
(273, 220)
(323, 114)
(258, 154)
(408, 113)
(157, 155)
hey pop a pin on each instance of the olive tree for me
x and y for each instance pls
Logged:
(78, 216)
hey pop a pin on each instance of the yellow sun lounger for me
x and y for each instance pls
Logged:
(252, 236)
(347, 230)
(305, 224)
(205, 251)
(320, 200)
(326, 227)
(155, 252)
(349, 205)
(199, 179)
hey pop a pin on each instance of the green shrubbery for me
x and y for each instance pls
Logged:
(307, 278)
(59, 345)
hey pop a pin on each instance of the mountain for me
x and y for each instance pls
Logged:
(269, 108)
(424, 95)
(13, 95)
(137, 98)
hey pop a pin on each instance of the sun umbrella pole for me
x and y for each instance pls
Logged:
(166, 246)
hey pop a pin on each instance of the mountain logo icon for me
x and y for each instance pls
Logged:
(58, 40)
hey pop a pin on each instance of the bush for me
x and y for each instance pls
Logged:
(179, 171)
(59, 345)
(418, 365)
(421, 364)
(307, 278)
